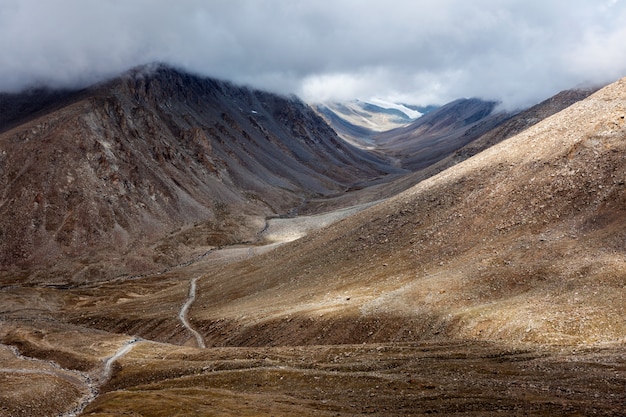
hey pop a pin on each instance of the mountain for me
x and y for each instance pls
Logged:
(414, 143)
(400, 110)
(507, 125)
(154, 168)
(440, 132)
(495, 287)
(522, 242)
(516, 123)
(510, 125)
(522, 120)
(358, 121)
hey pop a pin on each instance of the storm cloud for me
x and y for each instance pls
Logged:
(419, 52)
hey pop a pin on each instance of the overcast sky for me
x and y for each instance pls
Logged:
(414, 51)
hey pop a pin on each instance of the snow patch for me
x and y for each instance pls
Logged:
(413, 114)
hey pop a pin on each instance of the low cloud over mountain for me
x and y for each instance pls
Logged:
(415, 52)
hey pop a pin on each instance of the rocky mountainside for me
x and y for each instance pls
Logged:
(16, 109)
(155, 167)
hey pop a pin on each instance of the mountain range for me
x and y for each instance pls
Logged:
(177, 245)
(358, 120)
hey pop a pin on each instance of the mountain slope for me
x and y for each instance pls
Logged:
(440, 132)
(414, 144)
(510, 127)
(16, 109)
(356, 133)
(109, 172)
(525, 241)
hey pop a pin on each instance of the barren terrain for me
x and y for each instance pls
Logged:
(497, 287)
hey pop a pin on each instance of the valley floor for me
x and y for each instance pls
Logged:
(55, 363)
(374, 379)
(455, 378)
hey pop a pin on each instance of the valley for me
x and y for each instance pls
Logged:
(489, 280)
(273, 376)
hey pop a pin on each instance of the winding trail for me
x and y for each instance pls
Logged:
(108, 364)
(80, 379)
(94, 385)
(182, 315)
(77, 378)
(106, 375)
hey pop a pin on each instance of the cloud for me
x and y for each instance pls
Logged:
(420, 52)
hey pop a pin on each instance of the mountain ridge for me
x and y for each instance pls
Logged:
(417, 143)
(509, 126)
